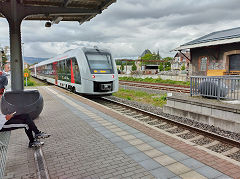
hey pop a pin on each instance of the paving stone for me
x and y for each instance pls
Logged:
(144, 147)
(138, 157)
(164, 160)
(166, 149)
(223, 177)
(192, 163)
(117, 129)
(178, 168)
(157, 144)
(122, 144)
(153, 153)
(140, 135)
(130, 150)
(191, 175)
(208, 172)
(178, 156)
(132, 131)
(122, 133)
(150, 164)
(135, 141)
(162, 173)
(176, 177)
(128, 137)
(116, 139)
(147, 139)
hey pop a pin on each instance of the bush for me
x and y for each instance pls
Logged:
(134, 67)
(158, 80)
(161, 68)
(167, 68)
(183, 68)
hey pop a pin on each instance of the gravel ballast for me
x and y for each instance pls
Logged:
(159, 111)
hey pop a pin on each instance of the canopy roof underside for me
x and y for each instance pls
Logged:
(93, 6)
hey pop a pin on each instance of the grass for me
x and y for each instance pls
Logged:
(142, 97)
(33, 82)
(158, 80)
(29, 82)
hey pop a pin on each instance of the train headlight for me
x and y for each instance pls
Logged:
(112, 76)
(93, 76)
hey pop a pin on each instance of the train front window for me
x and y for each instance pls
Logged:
(100, 63)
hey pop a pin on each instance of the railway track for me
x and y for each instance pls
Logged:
(157, 86)
(211, 141)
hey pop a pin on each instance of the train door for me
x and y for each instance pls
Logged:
(76, 71)
(55, 72)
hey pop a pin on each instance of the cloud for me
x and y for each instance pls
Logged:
(128, 27)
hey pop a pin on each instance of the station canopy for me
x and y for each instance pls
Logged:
(66, 9)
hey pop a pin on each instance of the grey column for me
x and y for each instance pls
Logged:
(15, 48)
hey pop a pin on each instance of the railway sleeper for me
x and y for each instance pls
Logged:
(215, 142)
(231, 151)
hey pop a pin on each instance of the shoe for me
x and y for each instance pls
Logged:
(42, 135)
(35, 144)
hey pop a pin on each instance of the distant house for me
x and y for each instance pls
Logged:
(26, 65)
(179, 60)
(145, 52)
(215, 54)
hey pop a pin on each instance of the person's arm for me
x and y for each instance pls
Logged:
(9, 116)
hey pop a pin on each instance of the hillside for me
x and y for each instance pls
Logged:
(32, 60)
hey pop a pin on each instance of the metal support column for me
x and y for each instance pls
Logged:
(15, 48)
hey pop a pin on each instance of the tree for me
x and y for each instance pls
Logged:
(122, 67)
(134, 67)
(149, 57)
(167, 63)
(161, 67)
(183, 67)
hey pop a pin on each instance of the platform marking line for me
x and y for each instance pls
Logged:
(142, 146)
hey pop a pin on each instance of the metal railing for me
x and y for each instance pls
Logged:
(4, 140)
(220, 87)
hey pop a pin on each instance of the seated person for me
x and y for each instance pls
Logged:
(11, 121)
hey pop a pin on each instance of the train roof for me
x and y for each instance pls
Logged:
(72, 53)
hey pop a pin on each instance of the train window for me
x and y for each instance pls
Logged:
(61, 70)
(76, 71)
(100, 62)
(68, 70)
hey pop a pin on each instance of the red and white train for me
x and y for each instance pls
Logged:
(90, 71)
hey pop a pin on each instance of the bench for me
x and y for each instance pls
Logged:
(4, 141)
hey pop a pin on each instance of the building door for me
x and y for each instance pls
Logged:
(234, 62)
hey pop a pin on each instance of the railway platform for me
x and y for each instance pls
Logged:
(91, 141)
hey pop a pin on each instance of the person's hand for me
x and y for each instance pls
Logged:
(9, 116)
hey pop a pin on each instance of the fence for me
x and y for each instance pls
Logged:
(220, 87)
(4, 140)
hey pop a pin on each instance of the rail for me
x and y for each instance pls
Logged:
(220, 87)
(4, 140)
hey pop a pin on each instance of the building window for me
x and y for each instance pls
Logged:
(203, 64)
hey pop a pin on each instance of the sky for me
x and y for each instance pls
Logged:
(128, 27)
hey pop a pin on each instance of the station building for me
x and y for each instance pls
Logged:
(215, 54)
